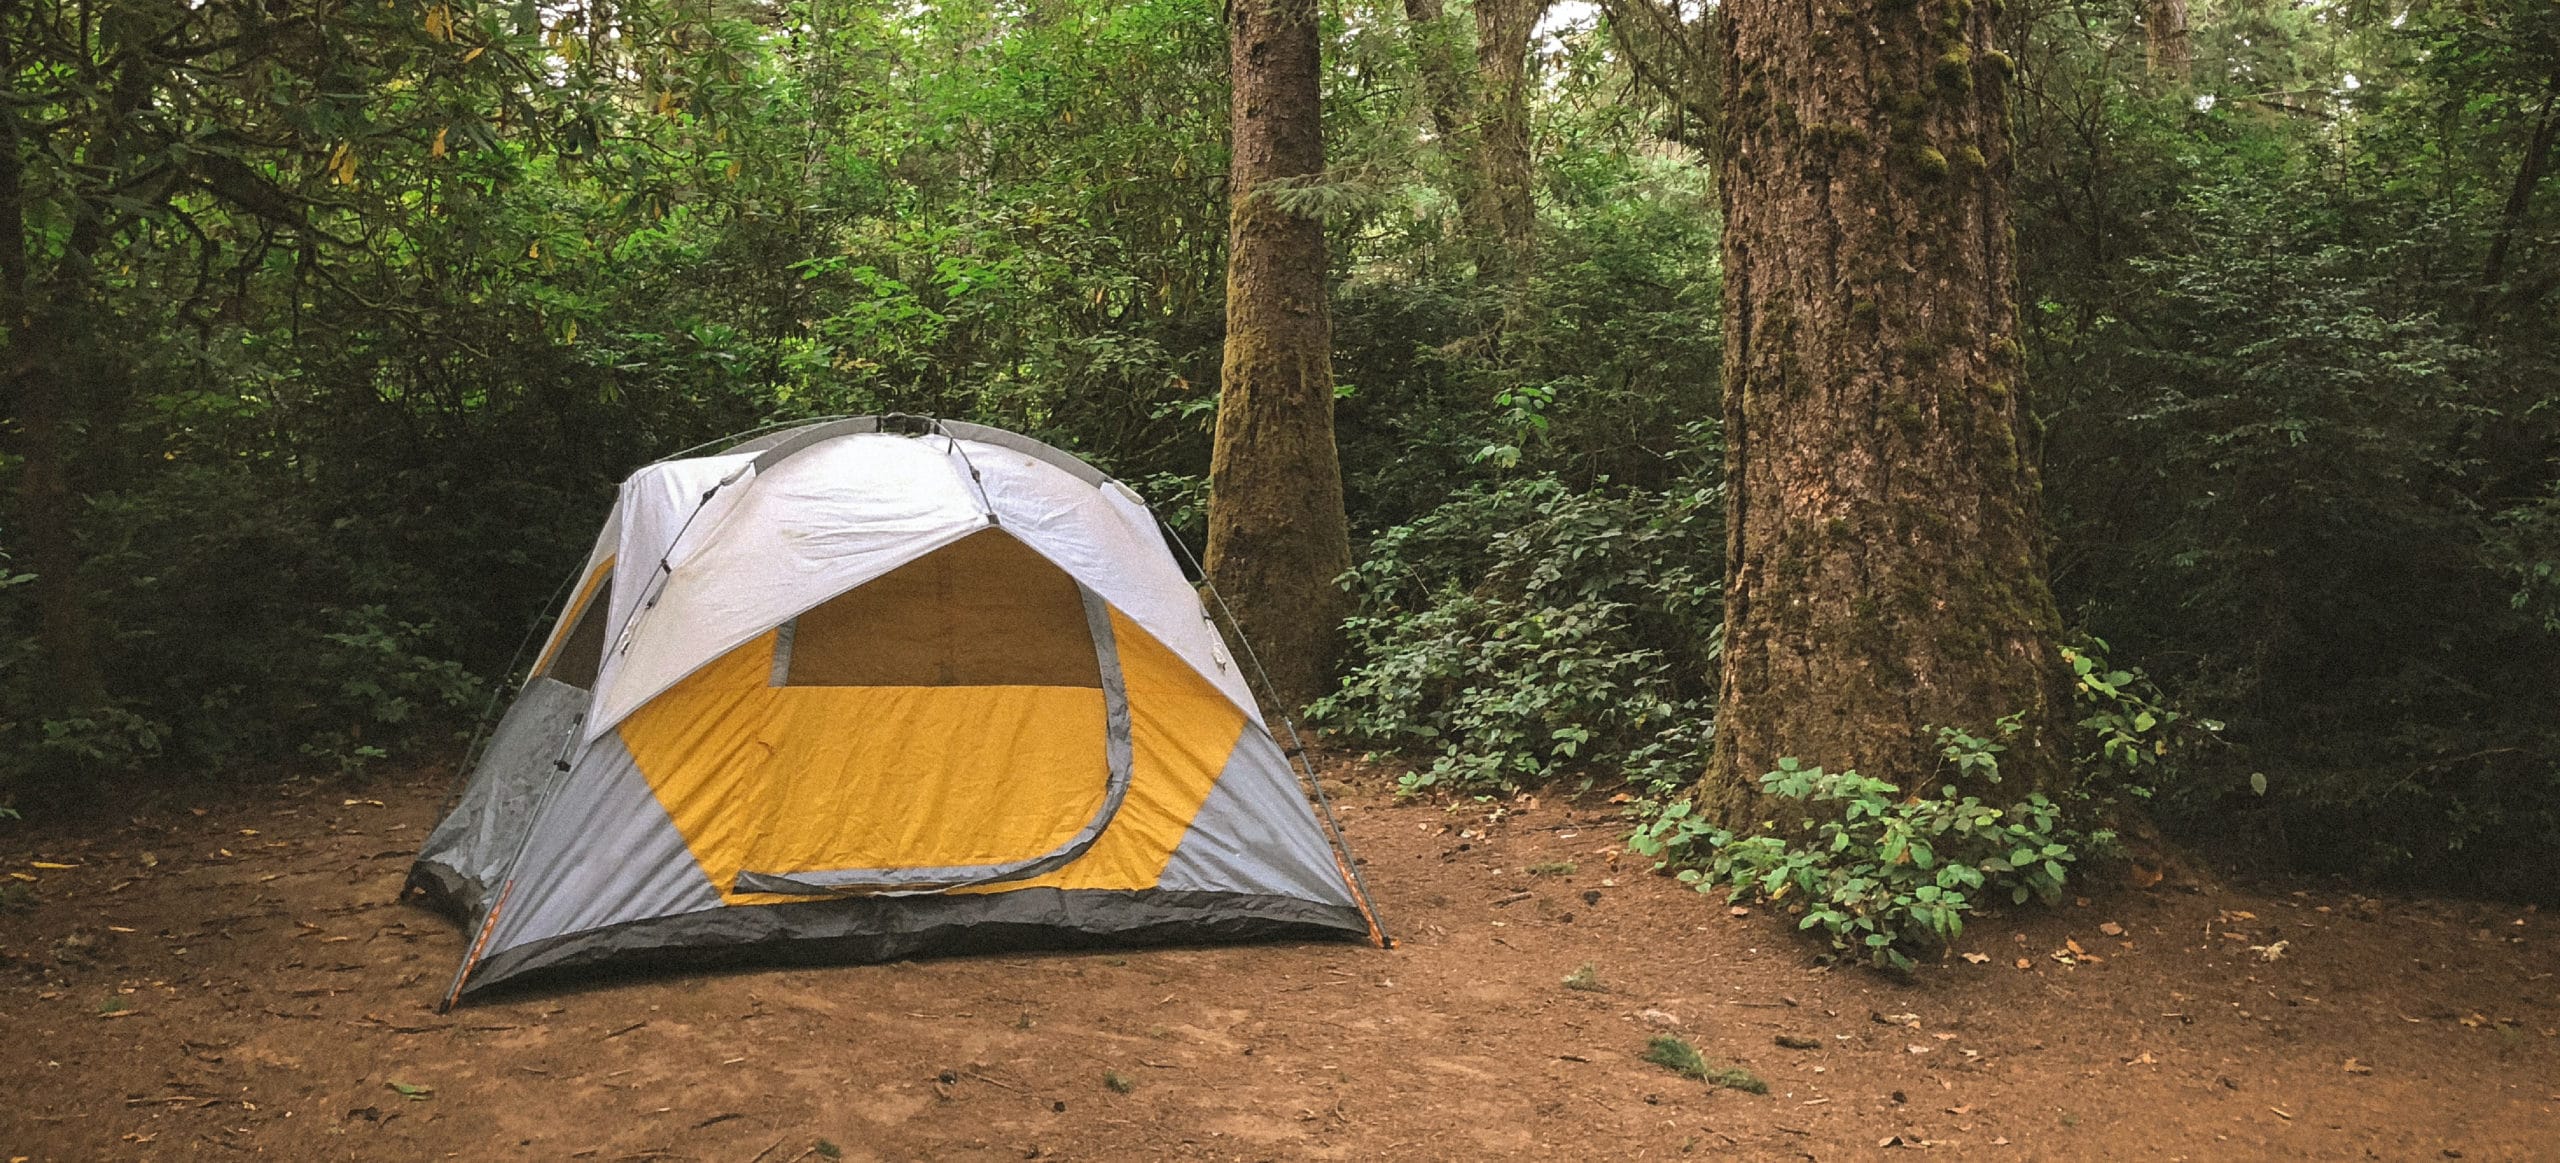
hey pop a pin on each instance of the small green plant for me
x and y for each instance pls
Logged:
(2129, 724)
(1681, 1058)
(1880, 873)
(1118, 1082)
(1585, 979)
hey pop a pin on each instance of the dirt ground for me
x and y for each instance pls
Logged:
(229, 972)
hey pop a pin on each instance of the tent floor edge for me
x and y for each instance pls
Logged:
(871, 930)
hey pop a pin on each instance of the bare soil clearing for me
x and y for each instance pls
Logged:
(230, 973)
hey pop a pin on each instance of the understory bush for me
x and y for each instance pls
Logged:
(1882, 874)
(1528, 631)
(1885, 872)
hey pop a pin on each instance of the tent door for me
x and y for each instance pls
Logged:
(906, 881)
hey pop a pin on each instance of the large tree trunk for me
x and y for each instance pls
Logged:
(1277, 536)
(1507, 211)
(1884, 571)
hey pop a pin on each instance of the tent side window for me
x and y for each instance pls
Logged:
(581, 654)
(986, 610)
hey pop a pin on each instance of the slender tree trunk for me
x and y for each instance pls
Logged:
(2164, 41)
(41, 399)
(2519, 200)
(1444, 84)
(1277, 535)
(1884, 571)
(1507, 210)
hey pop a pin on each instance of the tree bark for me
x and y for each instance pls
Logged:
(1884, 571)
(2164, 41)
(1277, 534)
(1505, 187)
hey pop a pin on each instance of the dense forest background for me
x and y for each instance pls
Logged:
(332, 327)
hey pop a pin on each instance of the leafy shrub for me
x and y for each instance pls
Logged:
(1520, 632)
(1881, 874)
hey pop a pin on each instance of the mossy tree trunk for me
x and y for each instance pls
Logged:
(1884, 570)
(1277, 535)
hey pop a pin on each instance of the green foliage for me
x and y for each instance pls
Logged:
(1881, 874)
(1521, 632)
(2134, 740)
(2298, 451)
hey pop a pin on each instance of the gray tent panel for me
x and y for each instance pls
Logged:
(1255, 834)
(604, 852)
(467, 854)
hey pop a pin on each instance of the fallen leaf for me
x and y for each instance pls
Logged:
(412, 1093)
(2112, 929)
(1977, 958)
(49, 864)
(1737, 911)
(2355, 1067)
(2023, 963)
(2074, 947)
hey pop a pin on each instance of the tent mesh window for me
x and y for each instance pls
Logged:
(986, 610)
(581, 654)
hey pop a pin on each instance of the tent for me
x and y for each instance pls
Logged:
(871, 688)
